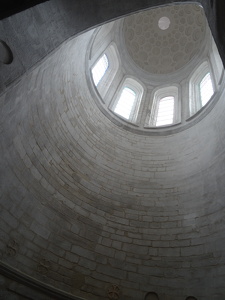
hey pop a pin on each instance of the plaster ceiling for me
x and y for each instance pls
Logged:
(162, 51)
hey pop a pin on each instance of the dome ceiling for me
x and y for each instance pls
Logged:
(165, 39)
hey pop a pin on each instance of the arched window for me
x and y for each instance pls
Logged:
(99, 69)
(104, 70)
(128, 99)
(201, 88)
(125, 103)
(165, 109)
(165, 113)
(206, 89)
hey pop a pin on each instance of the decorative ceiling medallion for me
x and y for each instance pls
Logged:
(163, 40)
(164, 23)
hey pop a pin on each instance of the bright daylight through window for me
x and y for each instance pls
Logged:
(156, 69)
(206, 89)
(125, 103)
(165, 111)
(99, 69)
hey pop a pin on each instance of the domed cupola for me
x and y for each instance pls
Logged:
(157, 71)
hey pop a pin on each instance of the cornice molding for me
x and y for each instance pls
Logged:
(35, 284)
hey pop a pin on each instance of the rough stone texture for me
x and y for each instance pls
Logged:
(10, 7)
(82, 198)
(35, 33)
(87, 206)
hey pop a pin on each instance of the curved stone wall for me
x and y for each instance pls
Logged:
(100, 212)
(35, 33)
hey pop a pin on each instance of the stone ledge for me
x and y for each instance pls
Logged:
(30, 282)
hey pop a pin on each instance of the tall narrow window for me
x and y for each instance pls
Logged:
(104, 70)
(165, 114)
(99, 69)
(127, 100)
(125, 103)
(165, 109)
(206, 89)
(201, 87)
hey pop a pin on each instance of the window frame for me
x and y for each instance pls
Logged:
(205, 101)
(110, 73)
(95, 65)
(138, 89)
(159, 94)
(195, 101)
(158, 110)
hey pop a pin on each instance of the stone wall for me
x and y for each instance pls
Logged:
(35, 33)
(100, 212)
